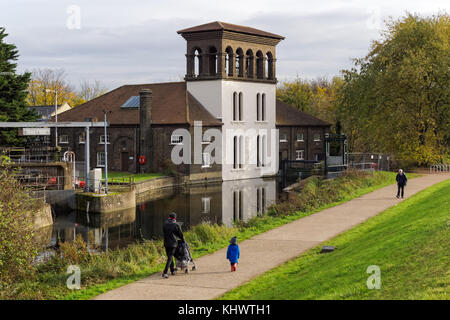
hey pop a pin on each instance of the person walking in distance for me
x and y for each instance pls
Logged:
(172, 231)
(401, 183)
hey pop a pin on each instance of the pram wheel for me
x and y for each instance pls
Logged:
(194, 268)
(186, 271)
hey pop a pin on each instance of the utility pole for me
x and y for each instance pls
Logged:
(106, 156)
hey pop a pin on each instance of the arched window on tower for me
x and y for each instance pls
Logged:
(269, 66)
(198, 65)
(259, 65)
(239, 62)
(249, 58)
(229, 61)
(213, 61)
(235, 106)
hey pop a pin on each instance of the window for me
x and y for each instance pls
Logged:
(237, 106)
(102, 140)
(260, 200)
(316, 157)
(316, 136)
(206, 160)
(300, 155)
(206, 139)
(206, 204)
(263, 107)
(238, 199)
(176, 139)
(100, 159)
(258, 152)
(81, 139)
(300, 137)
(258, 107)
(283, 137)
(64, 138)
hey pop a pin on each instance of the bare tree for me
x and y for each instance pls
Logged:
(89, 91)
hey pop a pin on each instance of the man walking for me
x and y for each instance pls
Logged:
(172, 231)
(401, 182)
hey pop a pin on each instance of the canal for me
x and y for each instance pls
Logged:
(221, 203)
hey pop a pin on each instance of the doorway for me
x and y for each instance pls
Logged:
(124, 163)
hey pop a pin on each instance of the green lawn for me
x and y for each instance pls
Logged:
(124, 176)
(409, 243)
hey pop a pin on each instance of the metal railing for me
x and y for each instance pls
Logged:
(435, 168)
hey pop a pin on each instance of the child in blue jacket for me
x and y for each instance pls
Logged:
(233, 253)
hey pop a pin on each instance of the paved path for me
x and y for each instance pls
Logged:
(268, 250)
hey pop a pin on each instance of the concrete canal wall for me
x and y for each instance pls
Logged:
(97, 203)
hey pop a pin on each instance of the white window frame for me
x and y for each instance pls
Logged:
(303, 137)
(102, 139)
(176, 139)
(206, 139)
(206, 160)
(285, 139)
(206, 205)
(65, 141)
(317, 137)
(100, 154)
(301, 152)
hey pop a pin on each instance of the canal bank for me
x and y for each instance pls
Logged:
(114, 268)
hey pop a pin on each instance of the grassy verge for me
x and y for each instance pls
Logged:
(408, 242)
(138, 177)
(112, 269)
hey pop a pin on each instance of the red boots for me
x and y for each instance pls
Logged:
(234, 267)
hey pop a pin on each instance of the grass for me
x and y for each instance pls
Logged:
(112, 269)
(409, 243)
(137, 177)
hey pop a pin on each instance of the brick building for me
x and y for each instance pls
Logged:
(230, 87)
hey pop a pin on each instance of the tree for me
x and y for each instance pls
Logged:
(396, 99)
(13, 105)
(53, 79)
(90, 91)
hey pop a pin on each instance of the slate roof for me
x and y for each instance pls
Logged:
(223, 26)
(171, 104)
(288, 115)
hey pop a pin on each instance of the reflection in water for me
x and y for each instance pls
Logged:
(222, 203)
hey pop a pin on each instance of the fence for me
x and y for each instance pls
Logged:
(440, 168)
(369, 161)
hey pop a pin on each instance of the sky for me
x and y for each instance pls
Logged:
(135, 41)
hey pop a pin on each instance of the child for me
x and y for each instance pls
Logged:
(233, 253)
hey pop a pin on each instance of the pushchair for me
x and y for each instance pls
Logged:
(183, 257)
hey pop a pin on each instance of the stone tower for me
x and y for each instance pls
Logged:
(231, 70)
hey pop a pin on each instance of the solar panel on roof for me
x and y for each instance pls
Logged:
(132, 102)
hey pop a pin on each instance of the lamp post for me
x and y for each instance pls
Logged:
(56, 114)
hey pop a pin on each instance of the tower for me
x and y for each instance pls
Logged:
(231, 70)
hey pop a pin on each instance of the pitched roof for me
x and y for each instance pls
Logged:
(288, 115)
(171, 104)
(221, 26)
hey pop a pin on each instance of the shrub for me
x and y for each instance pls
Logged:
(17, 250)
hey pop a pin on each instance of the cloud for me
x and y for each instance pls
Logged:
(136, 42)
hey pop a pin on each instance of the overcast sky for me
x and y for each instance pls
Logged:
(135, 41)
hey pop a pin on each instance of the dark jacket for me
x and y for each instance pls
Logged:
(233, 253)
(401, 179)
(171, 231)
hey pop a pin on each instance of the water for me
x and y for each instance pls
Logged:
(222, 203)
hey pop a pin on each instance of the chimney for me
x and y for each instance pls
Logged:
(145, 136)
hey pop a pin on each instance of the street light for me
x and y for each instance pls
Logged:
(56, 114)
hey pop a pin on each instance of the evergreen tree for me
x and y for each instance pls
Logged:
(13, 94)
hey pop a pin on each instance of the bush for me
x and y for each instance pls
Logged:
(17, 250)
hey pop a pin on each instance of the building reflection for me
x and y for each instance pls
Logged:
(221, 203)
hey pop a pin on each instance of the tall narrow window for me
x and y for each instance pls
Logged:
(258, 107)
(263, 151)
(269, 66)
(197, 62)
(100, 159)
(206, 160)
(263, 107)
(213, 61)
(235, 152)
(249, 64)
(241, 107)
(258, 151)
(260, 65)
(241, 152)
(229, 61)
(235, 106)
